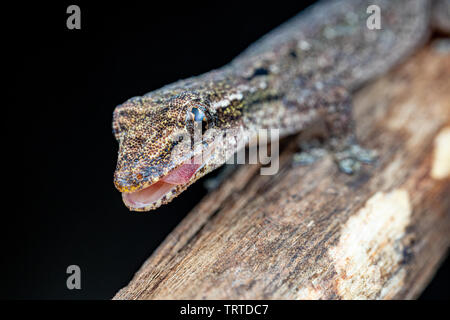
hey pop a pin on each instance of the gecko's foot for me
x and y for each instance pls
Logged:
(310, 152)
(349, 155)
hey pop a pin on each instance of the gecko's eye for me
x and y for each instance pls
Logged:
(198, 116)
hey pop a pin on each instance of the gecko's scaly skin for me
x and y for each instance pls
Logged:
(295, 75)
(441, 15)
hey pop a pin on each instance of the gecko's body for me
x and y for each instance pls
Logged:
(299, 73)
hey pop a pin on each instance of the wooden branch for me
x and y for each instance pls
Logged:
(312, 232)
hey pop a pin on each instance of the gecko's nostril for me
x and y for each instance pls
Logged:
(128, 180)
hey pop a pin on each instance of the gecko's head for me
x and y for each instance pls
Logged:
(161, 143)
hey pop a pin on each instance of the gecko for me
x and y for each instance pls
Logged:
(302, 72)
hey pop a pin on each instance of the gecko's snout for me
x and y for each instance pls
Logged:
(127, 181)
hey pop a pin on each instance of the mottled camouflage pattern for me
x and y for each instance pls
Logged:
(298, 73)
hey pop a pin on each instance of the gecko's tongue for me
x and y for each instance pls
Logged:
(156, 191)
(182, 174)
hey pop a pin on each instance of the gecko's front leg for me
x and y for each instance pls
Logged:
(335, 109)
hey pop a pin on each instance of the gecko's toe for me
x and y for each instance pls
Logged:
(351, 158)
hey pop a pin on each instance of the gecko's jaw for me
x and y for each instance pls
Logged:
(168, 186)
(146, 197)
(149, 196)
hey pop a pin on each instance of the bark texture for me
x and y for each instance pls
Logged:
(312, 232)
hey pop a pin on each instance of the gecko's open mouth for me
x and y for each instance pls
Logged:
(156, 191)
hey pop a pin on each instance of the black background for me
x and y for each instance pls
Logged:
(61, 207)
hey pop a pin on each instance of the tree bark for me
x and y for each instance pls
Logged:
(312, 232)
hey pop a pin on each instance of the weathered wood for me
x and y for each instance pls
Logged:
(311, 232)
